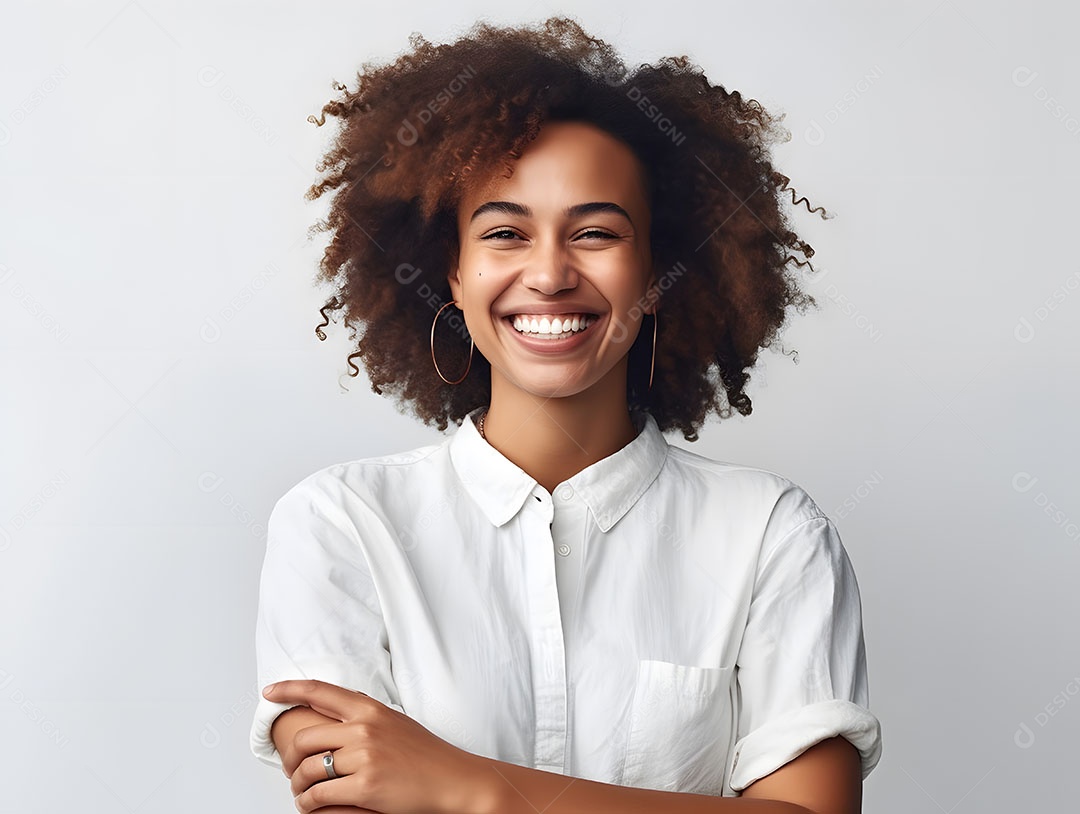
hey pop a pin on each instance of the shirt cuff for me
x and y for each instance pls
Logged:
(782, 739)
(266, 712)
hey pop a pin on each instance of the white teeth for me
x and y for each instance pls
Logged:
(554, 327)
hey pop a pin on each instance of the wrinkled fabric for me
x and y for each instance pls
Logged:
(662, 620)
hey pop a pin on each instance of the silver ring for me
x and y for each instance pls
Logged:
(328, 764)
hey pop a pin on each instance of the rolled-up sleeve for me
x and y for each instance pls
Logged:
(319, 615)
(801, 669)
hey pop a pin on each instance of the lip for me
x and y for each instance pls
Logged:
(552, 308)
(552, 345)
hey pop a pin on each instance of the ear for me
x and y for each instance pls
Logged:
(454, 279)
(652, 293)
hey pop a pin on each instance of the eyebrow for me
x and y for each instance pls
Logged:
(577, 210)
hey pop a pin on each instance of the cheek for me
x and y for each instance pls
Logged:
(479, 289)
(483, 278)
(622, 280)
(473, 263)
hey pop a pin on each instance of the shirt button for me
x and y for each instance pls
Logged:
(564, 549)
(566, 492)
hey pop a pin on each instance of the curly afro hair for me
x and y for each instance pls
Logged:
(416, 133)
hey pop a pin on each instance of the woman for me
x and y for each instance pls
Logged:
(554, 609)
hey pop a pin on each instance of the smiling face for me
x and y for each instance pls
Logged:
(554, 263)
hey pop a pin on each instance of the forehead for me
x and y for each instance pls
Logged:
(568, 162)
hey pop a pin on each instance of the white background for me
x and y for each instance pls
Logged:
(162, 385)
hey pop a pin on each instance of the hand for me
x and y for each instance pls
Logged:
(385, 761)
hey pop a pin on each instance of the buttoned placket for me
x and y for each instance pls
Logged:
(547, 645)
(568, 534)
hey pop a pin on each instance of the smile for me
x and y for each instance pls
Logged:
(551, 325)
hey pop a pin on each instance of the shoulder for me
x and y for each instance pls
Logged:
(368, 480)
(742, 487)
(743, 483)
(341, 515)
(786, 530)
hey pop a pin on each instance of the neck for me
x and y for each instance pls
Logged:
(552, 439)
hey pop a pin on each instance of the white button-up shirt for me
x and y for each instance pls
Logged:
(663, 620)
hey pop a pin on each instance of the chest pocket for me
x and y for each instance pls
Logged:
(680, 728)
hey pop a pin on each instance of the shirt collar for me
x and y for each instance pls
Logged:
(609, 487)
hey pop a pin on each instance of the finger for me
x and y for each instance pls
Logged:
(337, 792)
(312, 770)
(312, 740)
(328, 699)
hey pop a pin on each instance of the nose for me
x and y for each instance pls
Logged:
(548, 269)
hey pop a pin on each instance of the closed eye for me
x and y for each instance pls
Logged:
(600, 233)
(506, 234)
(500, 234)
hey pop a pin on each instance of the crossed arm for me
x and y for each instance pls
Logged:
(825, 779)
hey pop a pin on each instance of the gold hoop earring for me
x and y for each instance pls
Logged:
(467, 367)
(652, 362)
